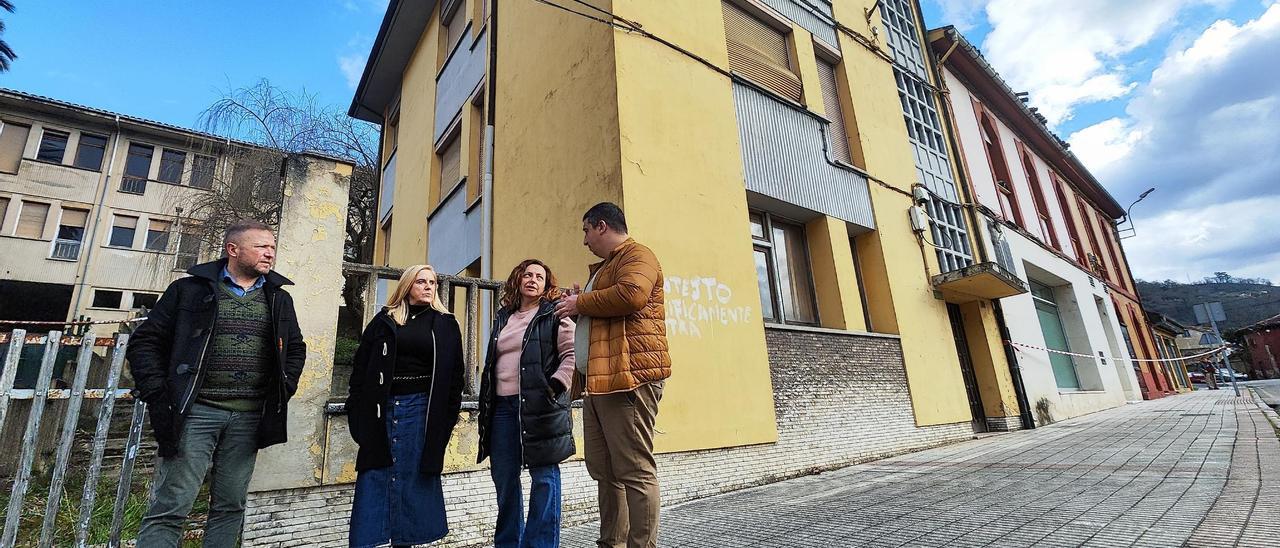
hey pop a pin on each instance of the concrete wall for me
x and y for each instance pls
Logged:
(841, 398)
(309, 242)
(1104, 383)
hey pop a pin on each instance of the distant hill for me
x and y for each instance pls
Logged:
(1246, 301)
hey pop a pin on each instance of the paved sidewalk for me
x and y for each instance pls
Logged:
(1199, 469)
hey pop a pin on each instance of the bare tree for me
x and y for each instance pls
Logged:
(263, 127)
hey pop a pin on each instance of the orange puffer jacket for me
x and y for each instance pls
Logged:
(628, 342)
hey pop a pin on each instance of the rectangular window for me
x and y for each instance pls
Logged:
(188, 250)
(137, 167)
(999, 170)
(31, 220)
(450, 166)
(1097, 264)
(53, 146)
(4, 211)
(171, 164)
(103, 298)
(782, 271)
(1076, 245)
(1055, 337)
(837, 131)
(122, 231)
(90, 151)
(1108, 233)
(70, 234)
(760, 52)
(158, 235)
(455, 23)
(202, 171)
(145, 300)
(13, 141)
(476, 169)
(1047, 234)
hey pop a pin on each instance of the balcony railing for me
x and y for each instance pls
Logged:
(133, 185)
(66, 249)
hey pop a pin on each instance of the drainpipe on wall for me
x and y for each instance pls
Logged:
(966, 190)
(486, 181)
(89, 242)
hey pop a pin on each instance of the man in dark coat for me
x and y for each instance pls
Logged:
(216, 361)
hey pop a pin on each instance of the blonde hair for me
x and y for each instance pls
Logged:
(398, 300)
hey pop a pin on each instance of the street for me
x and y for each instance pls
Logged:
(1199, 469)
(1269, 391)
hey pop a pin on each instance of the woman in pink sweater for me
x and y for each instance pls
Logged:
(524, 406)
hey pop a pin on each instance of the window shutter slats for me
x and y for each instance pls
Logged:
(13, 139)
(74, 217)
(450, 165)
(31, 220)
(837, 135)
(760, 53)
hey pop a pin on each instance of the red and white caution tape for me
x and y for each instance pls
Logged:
(95, 322)
(1065, 353)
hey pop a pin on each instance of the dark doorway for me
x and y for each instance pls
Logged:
(966, 369)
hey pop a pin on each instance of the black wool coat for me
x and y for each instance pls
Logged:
(371, 374)
(166, 354)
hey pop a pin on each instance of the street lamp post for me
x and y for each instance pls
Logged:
(1131, 231)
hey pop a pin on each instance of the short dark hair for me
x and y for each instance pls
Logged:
(241, 226)
(608, 212)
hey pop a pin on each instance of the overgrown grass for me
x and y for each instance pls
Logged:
(65, 525)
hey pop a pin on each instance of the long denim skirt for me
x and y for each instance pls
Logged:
(399, 504)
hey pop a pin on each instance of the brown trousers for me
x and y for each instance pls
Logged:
(618, 431)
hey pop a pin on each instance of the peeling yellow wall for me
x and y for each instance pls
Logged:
(416, 164)
(556, 136)
(834, 279)
(989, 363)
(684, 194)
(895, 269)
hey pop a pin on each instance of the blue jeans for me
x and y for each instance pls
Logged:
(225, 440)
(541, 529)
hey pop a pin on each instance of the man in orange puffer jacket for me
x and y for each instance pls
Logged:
(622, 365)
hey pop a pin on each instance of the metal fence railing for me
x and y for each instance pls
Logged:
(69, 399)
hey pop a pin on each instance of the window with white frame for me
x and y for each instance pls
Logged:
(123, 229)
(158, 235)
(90, 151)
(70, 234)
(53, 146)
(782, 270)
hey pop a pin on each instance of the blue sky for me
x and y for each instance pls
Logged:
(1182, 95)
(167, 60)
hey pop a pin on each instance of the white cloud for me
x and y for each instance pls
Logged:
(964, 14)
(1105, 142)
(352, 67)
(1204, 132)
(1236, 236)
(1069, 53)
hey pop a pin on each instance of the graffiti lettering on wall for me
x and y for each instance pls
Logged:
(696, 305)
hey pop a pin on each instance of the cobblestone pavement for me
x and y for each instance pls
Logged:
(1198, 469)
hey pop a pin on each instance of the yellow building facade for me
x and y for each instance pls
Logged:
(759, 147)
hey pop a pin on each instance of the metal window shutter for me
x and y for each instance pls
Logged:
(450, 165)
(13, 139)
(31, 220)
(74, 217)
(837, 135)
(123, 221)
(760, 52)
